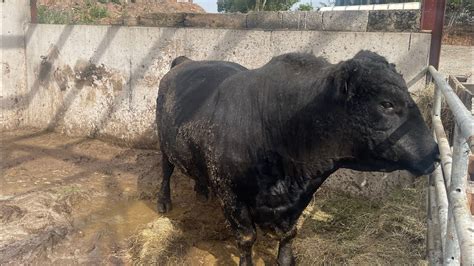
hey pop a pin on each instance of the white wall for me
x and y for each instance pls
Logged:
(117, 98)
(14, 21)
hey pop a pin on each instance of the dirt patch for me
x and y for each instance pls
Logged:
(465, 39)
(106, 12)
(76, 201)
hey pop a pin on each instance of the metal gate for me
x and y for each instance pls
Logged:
(450, 234)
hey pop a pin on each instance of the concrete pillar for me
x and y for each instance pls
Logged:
(15, 16)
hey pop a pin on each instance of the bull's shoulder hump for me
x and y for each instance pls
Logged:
(297, 60)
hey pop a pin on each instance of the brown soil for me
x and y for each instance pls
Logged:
(115, 12)
(464, 39)
(70, 201)
(132, 9)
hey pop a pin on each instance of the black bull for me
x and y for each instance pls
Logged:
(264, 140)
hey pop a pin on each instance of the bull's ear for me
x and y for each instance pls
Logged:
(344, 79)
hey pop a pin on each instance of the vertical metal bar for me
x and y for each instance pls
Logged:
(437, 242)
(437, 33)
(452, 252)
(442, 204)
(457, 198)
(437, 101)
(428, 10)
(33, 11)
(444, 149)
(430, 246)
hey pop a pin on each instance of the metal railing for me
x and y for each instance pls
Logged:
(450, 234)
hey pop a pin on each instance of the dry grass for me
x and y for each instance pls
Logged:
(105, 11)
(345, 230)
(158, 244)
(424, 100)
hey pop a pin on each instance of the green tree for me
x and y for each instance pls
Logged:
(459, 13)
(245, 6)
(305, 7)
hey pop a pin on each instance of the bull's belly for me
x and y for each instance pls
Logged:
(278, 207)
(186, 155)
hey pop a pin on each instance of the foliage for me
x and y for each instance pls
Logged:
(305, 7)
(51, 16)
(97, 12)
(327, 3)
(459, 13)
(245, 6)
(92, 13)
(117, 2)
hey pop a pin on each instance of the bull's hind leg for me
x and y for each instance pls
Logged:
(202, 192)
(164, 195)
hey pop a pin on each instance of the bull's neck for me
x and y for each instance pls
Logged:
(318, 137)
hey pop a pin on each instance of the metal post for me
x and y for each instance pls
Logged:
(33, 11)
(430, 235)
(437, 33)
(428, 10)
(442, 204)
(444, 148)
(436, 229)
(451, 252)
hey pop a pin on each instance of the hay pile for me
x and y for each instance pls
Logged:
(424, 100)
(341, 229)
(159, 243)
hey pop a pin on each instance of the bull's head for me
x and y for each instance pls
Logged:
(388, 131)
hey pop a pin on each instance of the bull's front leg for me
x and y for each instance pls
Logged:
(285, 251)
(238, 215)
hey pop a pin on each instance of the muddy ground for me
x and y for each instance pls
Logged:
(68, 201)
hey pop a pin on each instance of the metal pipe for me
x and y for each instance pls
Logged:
(33, 11)
(433, 237)
(429, 225)
(444, 149)
(461, 114)
(416, 78)
(442, 204)
(437, 102)
(452, 252)
(437, 240)
(458, 200)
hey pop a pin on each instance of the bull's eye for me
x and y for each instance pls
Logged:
(387, 105)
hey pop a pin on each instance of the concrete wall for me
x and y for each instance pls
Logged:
(14, 18)
(102, 81)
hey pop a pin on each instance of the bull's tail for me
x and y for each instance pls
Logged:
(179, 60)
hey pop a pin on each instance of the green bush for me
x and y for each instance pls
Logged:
(51, 16)
(305, 7)
(97, 12)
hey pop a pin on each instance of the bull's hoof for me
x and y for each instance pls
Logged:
(286, 258)
(286, 261)
(202, 193)
(164, 206)
(245, 261)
